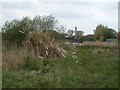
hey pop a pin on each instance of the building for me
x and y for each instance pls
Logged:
(78, 34)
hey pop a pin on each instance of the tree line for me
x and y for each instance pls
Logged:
(15, 32)
(101, 33)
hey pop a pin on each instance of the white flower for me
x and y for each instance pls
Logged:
(76, 61)
(74, 56)
(74, 53)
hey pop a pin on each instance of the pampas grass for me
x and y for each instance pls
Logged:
(42, 46)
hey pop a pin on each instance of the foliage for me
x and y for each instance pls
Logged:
(56, 35)
(86, 38)
(95, 67)
(44, 23)
(15, 31)
(60, 28)
(70, 32)
(103, 32)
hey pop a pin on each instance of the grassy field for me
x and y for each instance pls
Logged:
(84, 67)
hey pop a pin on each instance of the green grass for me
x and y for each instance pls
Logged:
(88, 70)
(0, 77)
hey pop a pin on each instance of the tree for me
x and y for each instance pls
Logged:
(44, 23)
(15, 31)
(70, 32)
(103, 32)
(86, 38)
(56, 35)
(60, 29)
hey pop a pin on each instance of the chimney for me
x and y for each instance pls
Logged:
(75, 32)
(75, 28)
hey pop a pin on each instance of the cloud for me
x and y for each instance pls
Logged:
(85, 15)
(119, 15)
(36, 1)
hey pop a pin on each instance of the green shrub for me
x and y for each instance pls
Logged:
(31, 64)
(45, 62)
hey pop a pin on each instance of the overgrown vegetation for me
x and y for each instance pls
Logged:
(93, 67)
(35, 56)
(103, 32)
(15, 32)
(43, 46)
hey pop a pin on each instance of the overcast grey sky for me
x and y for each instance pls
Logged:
(84, 14)
(119, 15)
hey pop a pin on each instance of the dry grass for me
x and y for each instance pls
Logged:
(42, 46)
(13, 59)
(98, 43)
(38, 45)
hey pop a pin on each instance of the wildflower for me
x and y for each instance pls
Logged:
(74, 53)
(76, 61)
(74, 56)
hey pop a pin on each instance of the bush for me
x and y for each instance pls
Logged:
(14, 32)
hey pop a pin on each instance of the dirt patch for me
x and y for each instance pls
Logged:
(99, 43)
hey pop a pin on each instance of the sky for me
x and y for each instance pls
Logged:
(119, 16)
(83, 14)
